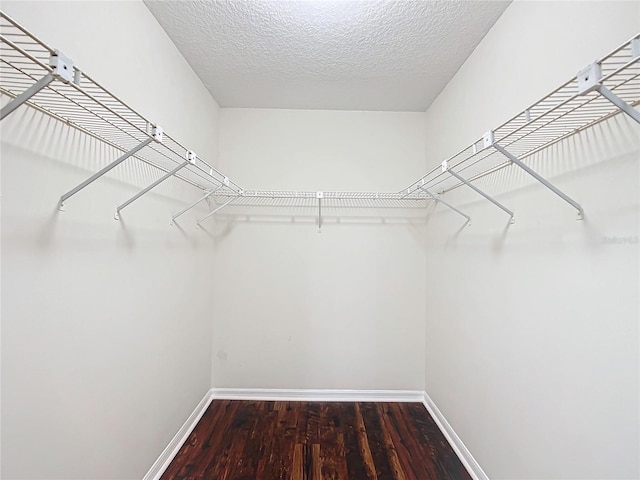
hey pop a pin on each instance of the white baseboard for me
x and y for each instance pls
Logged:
(470, 463)
(163, 461)
(308, 395)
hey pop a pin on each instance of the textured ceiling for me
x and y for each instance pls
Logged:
(344, 55)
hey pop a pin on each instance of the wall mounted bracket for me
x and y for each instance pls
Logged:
(446, 168)
(191, 160)
(437, 199)
(62, 70)
(225, 183)
(590, 79)
(216, 210)
(156, 136)
(489, 141)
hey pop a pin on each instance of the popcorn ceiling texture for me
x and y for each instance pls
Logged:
(341, 55)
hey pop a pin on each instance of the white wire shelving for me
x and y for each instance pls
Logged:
(33, 73)
(605, 88)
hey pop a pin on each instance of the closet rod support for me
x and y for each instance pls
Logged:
(150, 187)
(446, 204)
(156, 136)
(216, 210)
(489, 138)
(445, 168)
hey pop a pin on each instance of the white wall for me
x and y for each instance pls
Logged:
(106, 326)
(340, 309)
(532, 329)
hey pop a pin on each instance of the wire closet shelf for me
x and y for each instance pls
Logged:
(31, 72)
(605, 88)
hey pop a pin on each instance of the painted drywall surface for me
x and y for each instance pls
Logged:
(106, 325)
(299, 309)
(532, 329)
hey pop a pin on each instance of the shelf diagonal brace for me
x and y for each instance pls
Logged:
(191, 160)
(618, 102)
(490, 142)
(446, 168)
(437, 199)
(201, 199)
(590, 79)
(26, 95)
(155, 136)
(62, 69)
(217, 209)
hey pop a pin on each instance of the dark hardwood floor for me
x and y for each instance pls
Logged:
(242, 440)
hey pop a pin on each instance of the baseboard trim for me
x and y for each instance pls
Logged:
(167, 455)
(470, 463)
(309, 395)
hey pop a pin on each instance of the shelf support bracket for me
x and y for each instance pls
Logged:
(191, 160)
(618, 102)
(590, 79)
(439, 200)
(489, 141)
(62, 69)
(216, 210)
(26, 95)
(201, 199)
(319, 196)
(446, 168)
(156, 135)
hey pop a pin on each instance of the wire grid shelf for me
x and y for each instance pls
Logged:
(86, 105)
(562, 113)
(288, 198)
(89, 107)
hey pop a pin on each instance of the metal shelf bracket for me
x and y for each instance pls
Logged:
(156, 136)
(590, 79)
(62, 70)
(437, 199)
(191, 160)
(217, 209)
(446, 168)
(489, 141)
(201, 199)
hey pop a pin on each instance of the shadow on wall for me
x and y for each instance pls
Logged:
(42, 158)
(224, 224)
(598, 168)
(68, 146)
(587, 153)
(601, 143)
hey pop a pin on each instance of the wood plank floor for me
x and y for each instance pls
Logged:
(242, 440)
